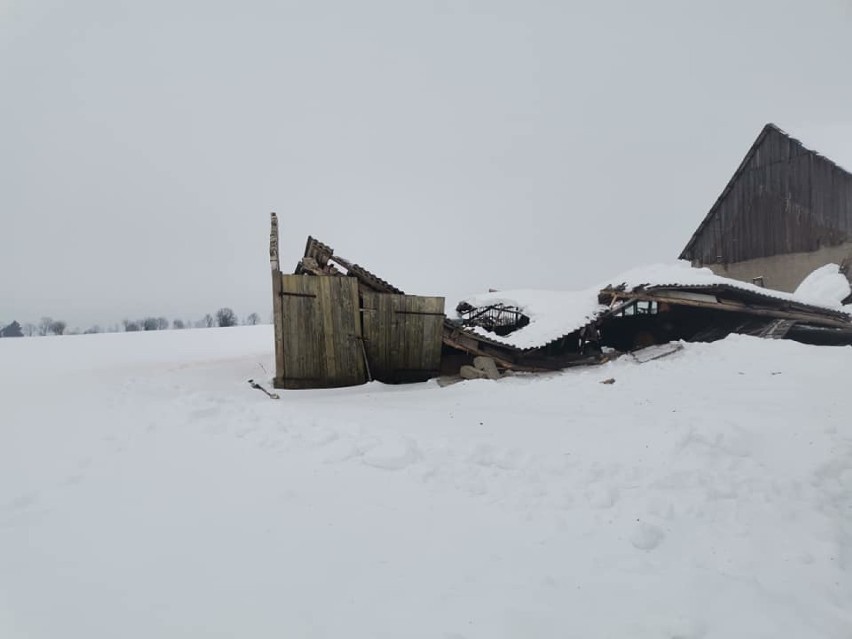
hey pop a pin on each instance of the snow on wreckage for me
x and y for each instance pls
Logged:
(338, 324)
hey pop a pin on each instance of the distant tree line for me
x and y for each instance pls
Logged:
(224, 317)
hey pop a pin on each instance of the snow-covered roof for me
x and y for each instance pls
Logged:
(680, 274)
(554, 314)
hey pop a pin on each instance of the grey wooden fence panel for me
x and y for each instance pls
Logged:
(322, 332)
(403, 336)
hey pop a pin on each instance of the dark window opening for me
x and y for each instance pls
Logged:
(639, 307)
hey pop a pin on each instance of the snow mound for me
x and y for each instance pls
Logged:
(826, 286)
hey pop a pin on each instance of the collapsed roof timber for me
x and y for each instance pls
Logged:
(338, 324)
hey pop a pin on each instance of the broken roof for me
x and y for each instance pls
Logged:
(681, 275)
(554, 315)
(321, 256)
(550, 317)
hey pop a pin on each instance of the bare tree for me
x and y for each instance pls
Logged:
(30, 329)
(149, 324)
(130, 327)
(208, 320)
(58, 327)
(92, 330)
(44, 326)
(162, 324)
(178, 324)
(253, 319)
(225, 317)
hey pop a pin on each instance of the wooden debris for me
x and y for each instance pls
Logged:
(338, 324)
(777, 329)
(257, 386)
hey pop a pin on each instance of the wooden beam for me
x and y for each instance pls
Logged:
(502, 356)
(277, 303)
(737, 307)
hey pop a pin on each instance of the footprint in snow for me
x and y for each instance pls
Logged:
(345, 448)
(201, 414)
(392, 454)
(318, 437)
(602, 497)
(646, 536)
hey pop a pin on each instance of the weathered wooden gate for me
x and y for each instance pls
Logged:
(402, 336)
(321, 332)
(342, 328)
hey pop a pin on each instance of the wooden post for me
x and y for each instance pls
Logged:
(277, 302)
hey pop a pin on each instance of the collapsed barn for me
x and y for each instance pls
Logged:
(338, 324)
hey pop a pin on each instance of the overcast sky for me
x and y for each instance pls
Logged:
(449, 146)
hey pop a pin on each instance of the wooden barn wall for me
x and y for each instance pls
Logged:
(403, 335)
(787, 199)
(321, 332)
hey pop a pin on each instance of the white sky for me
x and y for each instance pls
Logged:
(449, 146)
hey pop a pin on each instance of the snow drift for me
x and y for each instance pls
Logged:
(826, 286)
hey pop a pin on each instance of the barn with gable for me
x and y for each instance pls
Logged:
(786, 211)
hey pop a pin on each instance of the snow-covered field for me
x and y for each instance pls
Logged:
(147, 492)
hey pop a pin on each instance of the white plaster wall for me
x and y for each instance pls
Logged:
(784, 272)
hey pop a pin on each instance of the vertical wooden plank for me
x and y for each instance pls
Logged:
(406, 322)
(350, 332)
(353, 310)
(417, 333)
(389, 327)
(384, 324)
(403, 336)
(326, 319)
(366, 327)
(312, 360)
(277, 302)
(433, 336)
(375, 334)
(347, 368)
(396, 336)
(321, 324)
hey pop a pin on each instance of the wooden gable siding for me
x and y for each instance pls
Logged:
(403, 336)
(784, 198)
(321, 332)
